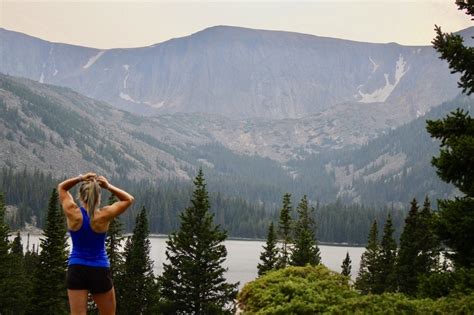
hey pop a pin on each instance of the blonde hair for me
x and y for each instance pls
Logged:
(89, 193)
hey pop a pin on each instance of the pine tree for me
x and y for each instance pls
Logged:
(407, 275)
(49, 289)
(193, 281)
(346, 266)
(113, 243)
(137, 288)
(454, 163)
(285, 230)
(269, 257)
(18, 286)
(430, 247)
(17, 247)
(369, 268)
(305, 250)
(6, 300)
(458, 55)
(386, 277)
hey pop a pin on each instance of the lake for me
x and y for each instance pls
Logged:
(244, 255)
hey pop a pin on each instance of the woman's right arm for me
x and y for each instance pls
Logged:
(119, 207)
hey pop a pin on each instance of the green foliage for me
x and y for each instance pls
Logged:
(456, 157)
(436, 284)
(317, 290)
(285, 226)
(305, 249)
(270, 256)
(136, 287)
(369, 263)
(430, 248)
(456, 133)
(193, 281)
(19, 286)
(12, 276)
(113, 243)
(295, 290)
(386, 276)
(459, 57)
(407, 272)
(346, 266)
(49, 290)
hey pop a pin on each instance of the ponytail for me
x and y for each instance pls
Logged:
(89, 193)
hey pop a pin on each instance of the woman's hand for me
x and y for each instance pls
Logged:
(103, 182)
(88, 176)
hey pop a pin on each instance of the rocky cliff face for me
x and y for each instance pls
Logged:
(240, 73)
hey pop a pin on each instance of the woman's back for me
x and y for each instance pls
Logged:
(88, 246)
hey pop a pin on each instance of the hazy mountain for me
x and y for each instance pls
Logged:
(242, 73)
(58, 130)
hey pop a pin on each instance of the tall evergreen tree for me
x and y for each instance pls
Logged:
(346, 266)
(113, 243)
(454, 163)
(49, 288)
(285, 230)
(369, 263)
(269, 257)
(8, 272)
(17, 246)
(137, 287)
(459, 57)
(386, 277)
(193, 281)
(19, 287)
(305, 250)
(407, 274)
(31, 259)
(430, 248)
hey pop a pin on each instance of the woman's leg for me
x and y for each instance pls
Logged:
(78, 301)
(105, 302)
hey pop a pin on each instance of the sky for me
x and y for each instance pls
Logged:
(112, 24)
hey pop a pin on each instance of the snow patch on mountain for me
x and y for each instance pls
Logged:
(41, 79)
(381, 95)
(126, 67)
(93, 59)
(127, 97)
(375, 66)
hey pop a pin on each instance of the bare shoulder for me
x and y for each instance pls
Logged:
(104, 214)
(74, 218)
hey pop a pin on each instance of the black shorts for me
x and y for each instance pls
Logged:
(94, 279)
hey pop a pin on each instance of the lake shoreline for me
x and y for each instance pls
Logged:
(39, 232)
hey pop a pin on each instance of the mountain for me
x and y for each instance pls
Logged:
(396, 166)
(242, 73)
(57, 130)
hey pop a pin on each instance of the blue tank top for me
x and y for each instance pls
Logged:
(88, 247)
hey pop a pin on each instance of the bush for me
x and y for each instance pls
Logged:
(295, 290)
(318, 290)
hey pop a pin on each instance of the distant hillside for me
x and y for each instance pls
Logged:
(58, 130)
(396, 166)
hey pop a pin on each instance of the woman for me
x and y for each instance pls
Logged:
(89, 267)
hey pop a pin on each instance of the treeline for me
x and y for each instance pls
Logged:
(335, 222)
(28, 191)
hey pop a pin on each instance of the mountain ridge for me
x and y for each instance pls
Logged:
(239, 73)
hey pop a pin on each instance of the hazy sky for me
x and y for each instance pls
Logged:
(107, 23)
